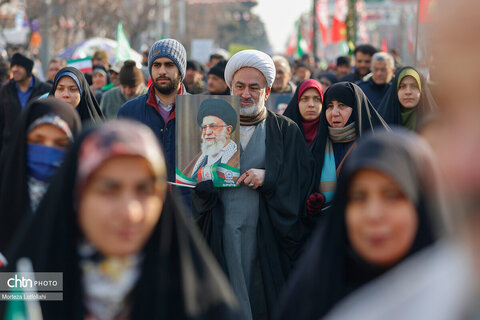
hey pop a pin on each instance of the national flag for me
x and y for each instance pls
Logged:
(84, 65)
(339, 26)
(123, 46)
(321, 13)
(225, 175)
(384, 45)
(426, 9)
(22, 309)
(291, 45)
(299, 39)
(183, 179)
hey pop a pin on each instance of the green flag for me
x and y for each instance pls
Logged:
(18, 308)
(123, 47)
(299, 39)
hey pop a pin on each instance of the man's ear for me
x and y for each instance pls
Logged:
(229, 130)
(267, 93)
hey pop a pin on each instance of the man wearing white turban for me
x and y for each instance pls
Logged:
(256, 230)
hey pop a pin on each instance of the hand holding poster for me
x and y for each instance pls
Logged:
(207, 140)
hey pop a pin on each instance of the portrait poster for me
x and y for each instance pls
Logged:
(207, 140)
(278, 102)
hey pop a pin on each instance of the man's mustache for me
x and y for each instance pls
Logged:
(247, 100)
(163, 78)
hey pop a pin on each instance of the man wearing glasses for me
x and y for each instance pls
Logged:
(217, 120)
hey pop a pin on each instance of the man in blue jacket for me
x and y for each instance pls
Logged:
(383, 69)
(167, 62)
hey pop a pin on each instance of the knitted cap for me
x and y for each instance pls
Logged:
(169, 48)
(20, 60)
(130, 75)
(219, 69)
(195, 65)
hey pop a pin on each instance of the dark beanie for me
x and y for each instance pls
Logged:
(20, 60)
(130, 75)
(219, 69)
(218, 108)
(195, 65)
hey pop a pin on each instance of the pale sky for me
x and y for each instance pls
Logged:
(279, 18)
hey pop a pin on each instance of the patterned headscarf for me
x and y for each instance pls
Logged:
(118, 138)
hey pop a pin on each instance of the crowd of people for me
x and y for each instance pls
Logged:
(354, 204)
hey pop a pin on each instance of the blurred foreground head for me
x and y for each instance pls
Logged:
(455, 44)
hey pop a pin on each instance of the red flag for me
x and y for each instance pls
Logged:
(321, 12)
(384, 45)
(426, 8)
(339, 27)
(292, 45)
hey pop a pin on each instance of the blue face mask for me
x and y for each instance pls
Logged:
(43, 161)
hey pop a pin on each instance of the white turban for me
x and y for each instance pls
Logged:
(254, 59)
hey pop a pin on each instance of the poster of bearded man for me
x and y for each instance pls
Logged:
(207, 140)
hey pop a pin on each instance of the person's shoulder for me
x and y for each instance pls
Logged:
(110, 97)
(362, 83)
(7, 87)
(434, 276)
(133, 104)
(42, 86)
(348, 78)
(279, 118)
(111, 93)
(282, 122)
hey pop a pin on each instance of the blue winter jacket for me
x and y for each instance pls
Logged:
(144, 110)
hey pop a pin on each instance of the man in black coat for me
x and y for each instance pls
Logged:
(15, 95)
(257, 230)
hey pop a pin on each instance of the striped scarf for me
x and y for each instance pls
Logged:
(328, 180)
(343, 135)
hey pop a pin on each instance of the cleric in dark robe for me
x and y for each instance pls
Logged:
(218, 120)
(257, 230)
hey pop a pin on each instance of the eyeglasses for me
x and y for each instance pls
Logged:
(213, 126)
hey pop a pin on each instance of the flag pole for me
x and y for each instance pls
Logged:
(417, 34)
(315, 28)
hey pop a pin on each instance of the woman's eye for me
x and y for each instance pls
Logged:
(62, 145)
(146, 189)
(393, 195)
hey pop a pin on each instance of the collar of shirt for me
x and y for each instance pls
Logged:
(23, 96)
(163, 105)
(30, 87)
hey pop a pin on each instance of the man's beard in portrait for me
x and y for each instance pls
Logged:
(212, 148)
(254, 109)
(168, 88)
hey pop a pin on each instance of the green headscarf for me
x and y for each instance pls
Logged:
(409, 115)
(409, 72)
